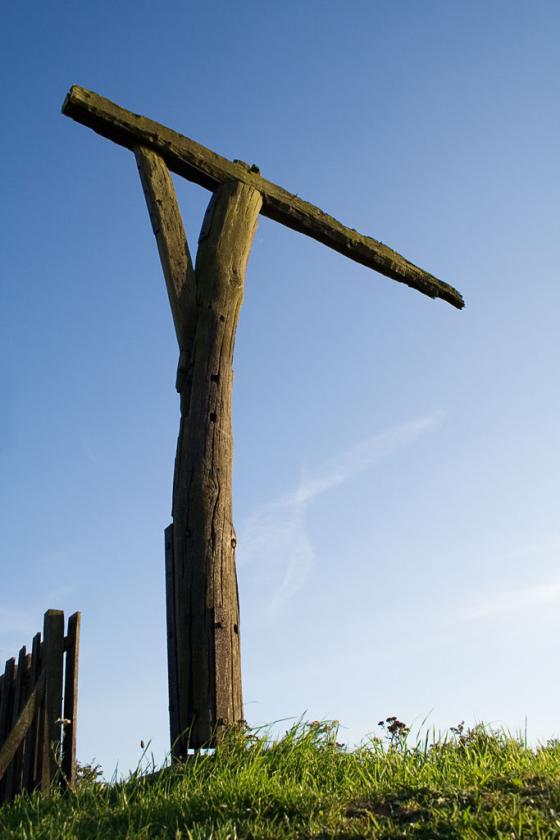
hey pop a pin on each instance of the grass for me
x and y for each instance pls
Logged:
(473, 783)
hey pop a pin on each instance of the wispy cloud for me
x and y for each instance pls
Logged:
(513, 602)
(276, 535)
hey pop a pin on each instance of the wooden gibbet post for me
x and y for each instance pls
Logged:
(204, 540)
(202, 601)
(204, 658)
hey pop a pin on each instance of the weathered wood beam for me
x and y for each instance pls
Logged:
(171, 239)
(206, 606)
(197, 163)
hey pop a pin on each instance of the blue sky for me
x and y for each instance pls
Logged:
(396, 461)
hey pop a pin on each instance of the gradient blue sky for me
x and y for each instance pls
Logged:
(396, 461)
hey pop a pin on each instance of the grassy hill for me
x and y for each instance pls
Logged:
(473, 783)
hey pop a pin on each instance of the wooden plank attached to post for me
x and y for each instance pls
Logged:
(53, 633)
(72, 642)
(27, 689)
(30, 760)
(13, 776)
(171, 644)
(168, 228)
(5, 707)
(6, 712)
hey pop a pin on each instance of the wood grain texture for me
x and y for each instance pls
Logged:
(195, 162)
(206, 599)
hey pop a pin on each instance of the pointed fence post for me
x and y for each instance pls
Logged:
(53, 655)
(31, 758)
(71, 645)
(13, 776)
(6, 708)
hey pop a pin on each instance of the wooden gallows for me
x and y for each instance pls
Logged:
(202, 600)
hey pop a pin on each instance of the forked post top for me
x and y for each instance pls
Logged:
(195, 162)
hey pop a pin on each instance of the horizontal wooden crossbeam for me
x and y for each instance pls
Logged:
(199, 164)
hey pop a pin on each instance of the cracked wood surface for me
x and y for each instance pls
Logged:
(206, 599)
(206, 685)
(199, 164)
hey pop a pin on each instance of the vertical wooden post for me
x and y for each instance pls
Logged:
(53, 655)
(31, 761)
(6, 707)
(202, 599)
(206, 597)
(27, 688)
(174, 730)
(72, 644)
(13, 780)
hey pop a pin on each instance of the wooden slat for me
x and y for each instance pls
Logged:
(13, 775)
(27, 690)
(30, 759)
(171, 644)
(6, 712)
(72, 644)
(53, 634)
(195, 162)
(7, 683)
(22, 695)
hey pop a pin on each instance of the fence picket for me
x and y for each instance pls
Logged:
(72, 643)
(53, 634)
(6, 711)
(26, 691)
(30, 749)
(171, 642)
(12, 781)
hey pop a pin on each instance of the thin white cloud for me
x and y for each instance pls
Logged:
(513, 602)
(275, 535)
(337, 470)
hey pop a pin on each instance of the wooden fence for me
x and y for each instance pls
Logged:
(38, 710)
